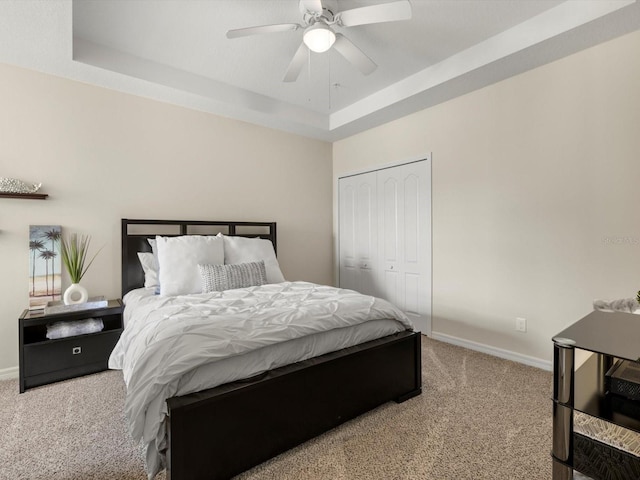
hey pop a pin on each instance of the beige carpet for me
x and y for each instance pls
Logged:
(479, 417)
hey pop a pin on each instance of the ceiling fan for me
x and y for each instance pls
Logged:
(320, 17)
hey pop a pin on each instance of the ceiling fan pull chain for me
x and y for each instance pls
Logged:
(329, 82)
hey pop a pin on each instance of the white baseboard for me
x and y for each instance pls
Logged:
(496, 352)
(9, 373)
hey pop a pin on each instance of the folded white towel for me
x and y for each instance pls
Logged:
(629, 305)
(76, 327)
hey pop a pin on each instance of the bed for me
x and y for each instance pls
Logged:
(216, 433)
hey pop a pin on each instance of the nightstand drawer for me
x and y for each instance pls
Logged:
(69, 352)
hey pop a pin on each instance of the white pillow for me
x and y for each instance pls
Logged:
(152, 243)
(244, 250)
(178, 259)
(154, 249)
(150, 267)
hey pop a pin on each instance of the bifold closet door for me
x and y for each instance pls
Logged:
(385, 237)
(404, 239)
(358, 233)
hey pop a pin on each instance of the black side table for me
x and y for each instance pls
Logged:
(45, 361)
(610, 336)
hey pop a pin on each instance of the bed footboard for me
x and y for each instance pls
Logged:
(218, 433)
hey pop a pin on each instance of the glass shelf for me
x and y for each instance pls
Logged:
(612, 408)
(611, 333)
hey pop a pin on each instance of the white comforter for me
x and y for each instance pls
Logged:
(177, 345)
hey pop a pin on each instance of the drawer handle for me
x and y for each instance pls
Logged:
(76, 350)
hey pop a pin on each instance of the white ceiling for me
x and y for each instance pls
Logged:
(176, 51)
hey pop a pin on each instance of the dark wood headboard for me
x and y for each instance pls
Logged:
(136, 232)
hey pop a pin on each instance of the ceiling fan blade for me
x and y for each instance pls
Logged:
(297, 62)
(354, 55)
(386, 12)
(314, 6)
(245, 32)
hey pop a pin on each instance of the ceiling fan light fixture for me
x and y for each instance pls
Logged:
(319, 37)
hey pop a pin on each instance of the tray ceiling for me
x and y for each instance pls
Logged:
(177, 51)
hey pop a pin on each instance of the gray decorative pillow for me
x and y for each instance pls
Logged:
(216, 278)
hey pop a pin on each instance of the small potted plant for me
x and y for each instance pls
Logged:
(74, 251)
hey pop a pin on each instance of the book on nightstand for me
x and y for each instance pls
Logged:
(59, 307)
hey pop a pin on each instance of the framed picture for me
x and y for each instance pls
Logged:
(45, 279)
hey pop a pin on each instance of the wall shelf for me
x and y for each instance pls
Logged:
(35, 196)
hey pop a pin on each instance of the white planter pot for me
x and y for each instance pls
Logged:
(76, 293)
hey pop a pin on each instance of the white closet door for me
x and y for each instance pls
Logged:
(404, 235)
(358, 233)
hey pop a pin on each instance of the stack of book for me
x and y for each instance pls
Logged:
(59, 307)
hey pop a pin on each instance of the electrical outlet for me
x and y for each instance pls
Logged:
(521, 324)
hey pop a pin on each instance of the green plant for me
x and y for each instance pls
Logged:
(74, 255)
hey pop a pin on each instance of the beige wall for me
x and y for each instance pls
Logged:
(103, 155)
(536, 187)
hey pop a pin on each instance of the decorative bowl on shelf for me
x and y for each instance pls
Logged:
(13, 185)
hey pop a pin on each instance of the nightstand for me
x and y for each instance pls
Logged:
(45, 361)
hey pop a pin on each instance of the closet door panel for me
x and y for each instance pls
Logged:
(389, 212)
(367, 226)
(347, 211)
(412, 293)
(367, 233)
(411, 220)
(406, 239)
(416, 233)
(392, 288)
(359, 245)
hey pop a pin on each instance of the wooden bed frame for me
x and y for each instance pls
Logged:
(223, 431)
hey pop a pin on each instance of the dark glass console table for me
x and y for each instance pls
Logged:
(610, 336)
